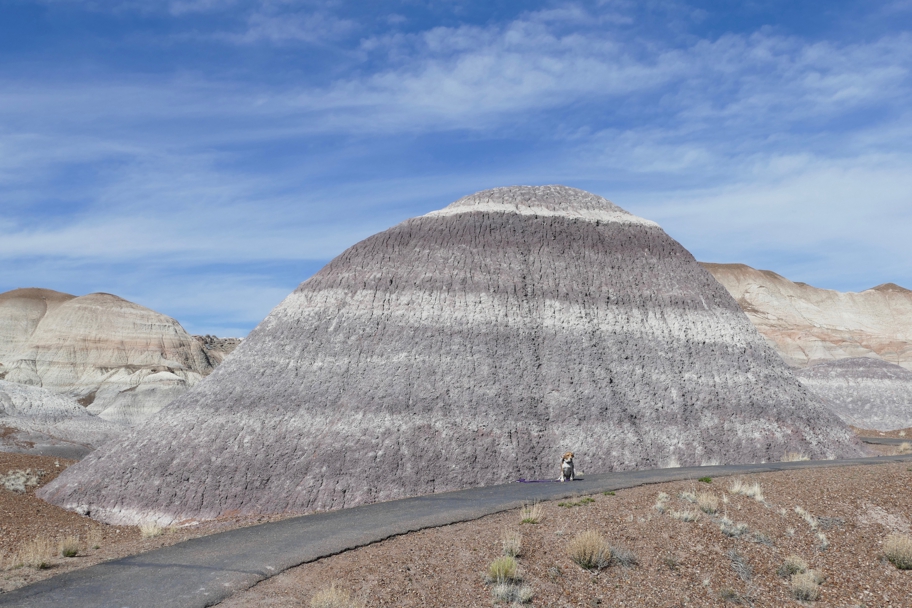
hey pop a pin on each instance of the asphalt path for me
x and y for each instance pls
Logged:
(885, 440)
(204, 571)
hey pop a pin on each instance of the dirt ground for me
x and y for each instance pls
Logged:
(679, 563)
(23, 518)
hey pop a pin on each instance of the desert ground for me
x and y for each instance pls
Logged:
(836, 520)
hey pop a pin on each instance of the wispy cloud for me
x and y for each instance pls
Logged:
(247, 170)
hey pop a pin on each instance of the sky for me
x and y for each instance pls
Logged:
(204, 157)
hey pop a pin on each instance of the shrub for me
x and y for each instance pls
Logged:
(708, 502)
(19, 481)
(150, 530)
(69, 547)
(624, 557)
(688, 496)
(530, 514)
(792, 565)
(608, 493)
(661, 502)
(512, 543)
(904, 448)
(805, 586)
(898, 549)
(590, 550)
(740, 566)
(333, 597)
(503, 570)
(706, 479)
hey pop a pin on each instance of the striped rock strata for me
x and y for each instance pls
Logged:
(808, 325)
(121, 360)
(36, 421)
(865, 392)
(470, 346)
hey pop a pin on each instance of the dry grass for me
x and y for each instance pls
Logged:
(512, 543)
(805, 586)
(503, 570)
(150, 530)
(792, 565)
(508, 592)
(807, 517)
(530, 514)
(904, 448)
(708, 502)
(743, 488)
(333, 597)
(661, 504)
(94, 538)
(590, 550)
(37, 554)
(69, 547)
(898, 549)
(688, 516)
(732, 529)
(795, 457)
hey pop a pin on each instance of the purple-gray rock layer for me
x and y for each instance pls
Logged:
(467, 347)
(865, 392)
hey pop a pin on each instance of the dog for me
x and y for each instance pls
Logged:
(566, 467)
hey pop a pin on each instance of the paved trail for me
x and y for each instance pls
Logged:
(203, 571)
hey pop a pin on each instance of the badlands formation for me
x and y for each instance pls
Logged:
(865, 392)
(808, 325)
(36, 421)
(122, 361)
(470, 346)
(855, 348)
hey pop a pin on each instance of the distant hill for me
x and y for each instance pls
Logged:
(120, 360)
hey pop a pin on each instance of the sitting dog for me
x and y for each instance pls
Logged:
(566, 467)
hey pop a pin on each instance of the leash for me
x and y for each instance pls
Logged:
(522, 480)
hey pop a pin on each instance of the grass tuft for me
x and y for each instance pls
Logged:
(688, 516)
(898, 550)
(69, 547)
(150, 530)
(795, 457)
(503, 570)
(530, 513)
(583, 501)
(512, 543)
(743, 488)
(590, 550)
(333, 597)
(37, 554)
(807, 517)
(708, 502)
(732, 529)
(904, 448)
(624, 557)
(792, 565)
(805, 586)
(706, 479)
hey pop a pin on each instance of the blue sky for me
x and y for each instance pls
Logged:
(203, 157)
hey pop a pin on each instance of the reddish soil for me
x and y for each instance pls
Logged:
(897, 434)
(680, 563)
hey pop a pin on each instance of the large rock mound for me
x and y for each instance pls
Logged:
(470, 346)
(865, 392)
(121, 360)
(37, 421)
(808, 325)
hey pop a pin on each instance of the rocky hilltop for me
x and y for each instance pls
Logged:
(122, 361)
(865, 392)
(808, 325)
(36, 421)
(470, 346)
